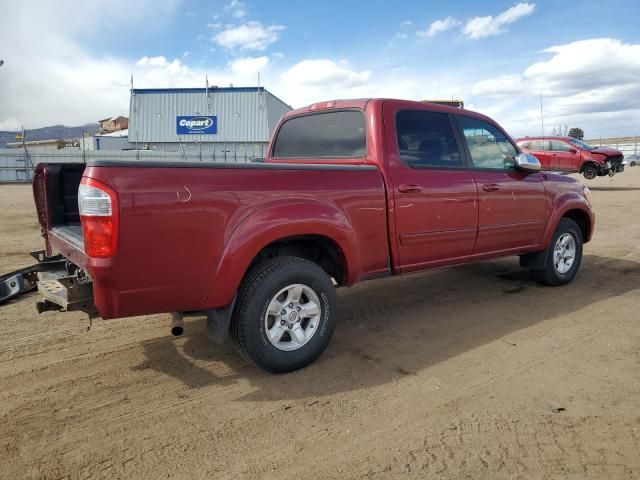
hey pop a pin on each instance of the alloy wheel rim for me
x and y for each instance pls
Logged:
(292, 317)
(564, 253)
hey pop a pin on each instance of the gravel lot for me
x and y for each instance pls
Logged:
(447, 374)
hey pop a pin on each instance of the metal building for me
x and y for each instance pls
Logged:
(228, 124)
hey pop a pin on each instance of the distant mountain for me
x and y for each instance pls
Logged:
(48, 133)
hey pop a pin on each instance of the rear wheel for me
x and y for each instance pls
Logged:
(563, 256)
(285, 315)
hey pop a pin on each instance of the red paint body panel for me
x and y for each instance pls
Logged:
(180, 256)
(188, 233)
(436, 225)
(513, 213)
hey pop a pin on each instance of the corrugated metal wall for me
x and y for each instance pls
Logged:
(275, 109)
(242, 114)
(15, 166)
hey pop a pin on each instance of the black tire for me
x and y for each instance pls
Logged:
(633, 163)
(248, 329)
(590, 172)
(549, 275)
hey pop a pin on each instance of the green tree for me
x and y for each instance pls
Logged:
(576, 132)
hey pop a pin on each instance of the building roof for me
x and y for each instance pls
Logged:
(118, 133)
(244, 114)
(112, 119)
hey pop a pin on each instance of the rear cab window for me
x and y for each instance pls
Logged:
(334, 134)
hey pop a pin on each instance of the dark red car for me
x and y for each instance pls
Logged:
(567, 154)
(350, 190)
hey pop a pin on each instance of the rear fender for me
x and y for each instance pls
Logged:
(263, 226)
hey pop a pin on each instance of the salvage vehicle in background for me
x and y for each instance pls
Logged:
(568, 154)
(350, 190)
(633, 160)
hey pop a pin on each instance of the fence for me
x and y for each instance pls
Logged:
(627, 145)
(16, 165)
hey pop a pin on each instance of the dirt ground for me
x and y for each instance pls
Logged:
(446, 374)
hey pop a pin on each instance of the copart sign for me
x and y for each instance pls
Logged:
(197, 125)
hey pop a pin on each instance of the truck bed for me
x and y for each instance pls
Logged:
(180, 223)
(71, 234)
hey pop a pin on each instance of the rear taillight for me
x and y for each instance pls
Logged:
(98, 206)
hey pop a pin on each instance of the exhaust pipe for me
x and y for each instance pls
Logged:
(177, 324)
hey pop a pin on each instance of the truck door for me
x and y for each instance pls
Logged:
(540, 148)
(564, 156)
(435, 197)
(512, 204)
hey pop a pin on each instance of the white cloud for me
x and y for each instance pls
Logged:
(250, 36)
(249, 65)
(237, 8)
(500, 86)
(479, 27)
(324, 72)
(439, 26)
(191, 14)
(314, 80)
(582, 82)
(406, 23)
(64, 83)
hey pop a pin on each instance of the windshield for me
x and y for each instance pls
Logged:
(581, 144)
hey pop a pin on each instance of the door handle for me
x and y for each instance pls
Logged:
(409, 188)
(491, 187)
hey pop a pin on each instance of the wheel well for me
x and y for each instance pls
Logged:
(321, 250)
(588, 163)
(581, 219)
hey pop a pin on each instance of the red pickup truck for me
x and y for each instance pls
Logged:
(567, 154)
(350, 190)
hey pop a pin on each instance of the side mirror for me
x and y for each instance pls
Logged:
(525, 162)
(573, 150)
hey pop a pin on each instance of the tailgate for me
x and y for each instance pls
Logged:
(62, 281)
(55, 191)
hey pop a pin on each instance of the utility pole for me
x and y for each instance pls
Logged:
(541, 116)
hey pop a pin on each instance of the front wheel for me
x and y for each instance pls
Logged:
(563, 256)
(285, 315)
(590, 172)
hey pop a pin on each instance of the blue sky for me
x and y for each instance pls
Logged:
(70, 62)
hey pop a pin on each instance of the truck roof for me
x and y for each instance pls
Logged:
(361, 103)
(545, 137)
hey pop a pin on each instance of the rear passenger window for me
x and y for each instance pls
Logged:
(329, 134)
(488, 146)
(541, 145)
(426, 139)
(557, 146)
